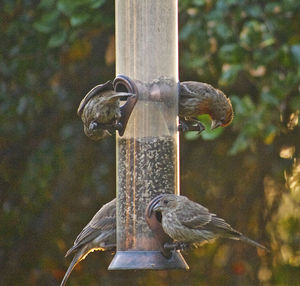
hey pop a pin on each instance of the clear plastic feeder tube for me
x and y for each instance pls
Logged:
(147, 153)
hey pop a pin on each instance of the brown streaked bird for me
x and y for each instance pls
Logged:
(98, 234)
(153, 220)
(198, 98)
(191, 224)
(100, 111)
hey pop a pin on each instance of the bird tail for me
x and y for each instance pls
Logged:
(76, 259)
(252, 242)
(70, 251)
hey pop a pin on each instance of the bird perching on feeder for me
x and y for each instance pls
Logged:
(147, 124)
(148, 153)
(101, 113)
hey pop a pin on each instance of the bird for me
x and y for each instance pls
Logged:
(191, 224)
(102, 114)
(100, 111)
(153, 220)
(196, 98)
(98, 234)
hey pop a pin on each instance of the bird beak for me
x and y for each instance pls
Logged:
(215, 124)
(152, 204)
(125, 94)
(157, 206)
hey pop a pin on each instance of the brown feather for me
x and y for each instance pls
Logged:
(197, 98)
(188, 222)
(98, 234)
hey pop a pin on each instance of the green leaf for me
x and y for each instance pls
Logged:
(78, 19)
(46, 4)
(232, 53)
(295, 49)
(294, 103)
(69, 6)
(270, 134)
(186, 31)
(232, 2)
(47, 23)
(230, 73)
(243, 106)
(268, 42)
(199, 2)
(209, 134)
(269, 98)
(56, 40)
(192, 135)
(23, 102)
(97, 3)
(223, 31)
(240, 144)
(254, 11)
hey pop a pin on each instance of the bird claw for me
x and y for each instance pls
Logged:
(198, 127)
(169, 246)
(183, 127)
(176, 246)
(117, 126)
(182, 246)
(111, 128)
(191, 124)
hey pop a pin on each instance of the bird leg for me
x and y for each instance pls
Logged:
(111, 247)
(117, 126)
(190, 124)
(183, 126)
(110, 127)
(176, 246)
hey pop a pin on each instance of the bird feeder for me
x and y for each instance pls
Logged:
(147, 153)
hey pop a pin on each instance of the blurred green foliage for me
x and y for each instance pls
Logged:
(53, 179)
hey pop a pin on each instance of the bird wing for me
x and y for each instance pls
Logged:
(119, 94)
(94, 91)
(103, 220)
(76, 259)
(194, 215)
(185, 91)
(193, 89)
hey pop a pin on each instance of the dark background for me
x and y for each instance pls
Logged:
(53, 178)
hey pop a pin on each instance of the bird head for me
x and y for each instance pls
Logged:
(154, 220)
(95, 133)
(166, 202)
(97, 90)
(222, 113)
(215, 124)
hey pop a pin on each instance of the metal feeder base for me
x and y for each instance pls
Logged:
(147, 260)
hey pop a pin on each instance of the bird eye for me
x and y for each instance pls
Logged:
(165, 202)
